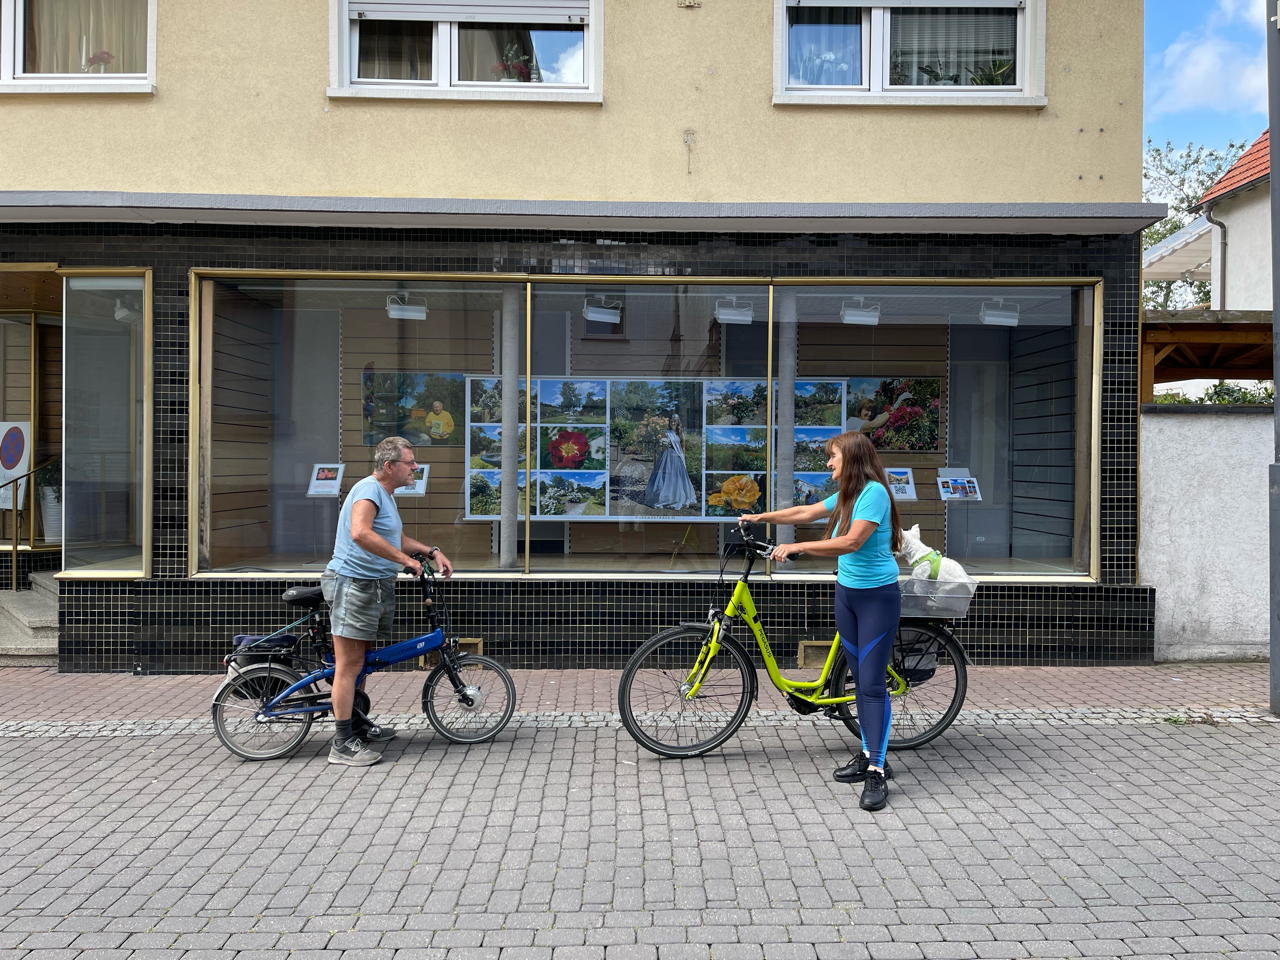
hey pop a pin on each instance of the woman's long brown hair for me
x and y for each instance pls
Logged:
(859, 465)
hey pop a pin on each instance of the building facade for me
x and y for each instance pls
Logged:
(616, 269)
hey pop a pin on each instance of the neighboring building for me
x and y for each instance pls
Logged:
(543, 238)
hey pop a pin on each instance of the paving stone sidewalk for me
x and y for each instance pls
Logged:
(1073, 813)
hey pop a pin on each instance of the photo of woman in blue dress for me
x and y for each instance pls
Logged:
(669, 485)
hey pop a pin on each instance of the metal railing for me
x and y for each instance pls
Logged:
(13, 519)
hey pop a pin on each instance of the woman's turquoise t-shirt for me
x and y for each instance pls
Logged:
(872, 565)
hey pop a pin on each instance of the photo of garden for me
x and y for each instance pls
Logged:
(736, 448)
(811, 488)
(736, 402)
(421, 407)
(819, 403)
(811, 447)
(571, 401)
(571, 493)
(484, 494)
(897, 413)
(655, 448)
(486, 446)
(484, 401)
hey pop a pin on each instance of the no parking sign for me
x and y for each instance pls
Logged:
(15, 455)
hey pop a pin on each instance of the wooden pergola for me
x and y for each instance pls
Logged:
(1202, 344)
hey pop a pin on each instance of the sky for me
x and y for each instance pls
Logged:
(1206, 78)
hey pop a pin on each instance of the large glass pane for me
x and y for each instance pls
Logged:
(824, 46)
(85, 36)
(940, 46)
(977, 399)
(518, 53)
(394, 50)
(650, 422)
(104, 420)
(307, 376)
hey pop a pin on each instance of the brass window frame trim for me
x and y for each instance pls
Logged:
(196, 437)
(147, 453)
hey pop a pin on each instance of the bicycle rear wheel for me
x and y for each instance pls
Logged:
(236, 709)
(661, 710)
(928, 697)
(480, 710)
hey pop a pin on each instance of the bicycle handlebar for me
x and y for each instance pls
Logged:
(763, 548)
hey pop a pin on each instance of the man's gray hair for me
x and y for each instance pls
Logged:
(389, 451)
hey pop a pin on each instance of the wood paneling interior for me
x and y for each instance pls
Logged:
(241, 429)
(15, 395)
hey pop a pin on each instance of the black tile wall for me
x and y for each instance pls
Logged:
(172, 623)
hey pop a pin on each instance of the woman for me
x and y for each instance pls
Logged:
(669, 484)
(864, 532)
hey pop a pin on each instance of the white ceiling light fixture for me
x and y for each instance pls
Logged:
(733, 310)
(405, 306)
(997, 313)
(858, 312)
(124, 313)
(600, 309)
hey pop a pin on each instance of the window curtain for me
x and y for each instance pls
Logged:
(489, 53)
(824, 48)
(85, 36)
(941, 47)
(394, 50)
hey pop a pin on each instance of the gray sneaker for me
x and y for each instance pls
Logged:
(353, 753)
(375, 733)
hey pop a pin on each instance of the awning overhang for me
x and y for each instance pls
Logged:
(1185, 255)
(60, 206)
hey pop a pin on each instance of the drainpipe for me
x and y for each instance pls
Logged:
(1218, 289)
(1273, 478)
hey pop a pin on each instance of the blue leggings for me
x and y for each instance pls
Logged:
(868, 622)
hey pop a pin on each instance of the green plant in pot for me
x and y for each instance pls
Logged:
(48, 476)
(48, 481)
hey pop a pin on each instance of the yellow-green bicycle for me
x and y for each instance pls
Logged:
(688, 689)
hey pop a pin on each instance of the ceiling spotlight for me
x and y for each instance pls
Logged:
(600, 309)
(733, 310)
(405, 306)
(123, 313)
(857, 312)
(997, 313)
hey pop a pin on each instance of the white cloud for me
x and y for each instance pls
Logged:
(568, 68)
(1221, 65)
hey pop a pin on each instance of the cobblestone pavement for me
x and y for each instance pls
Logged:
(1045, 824)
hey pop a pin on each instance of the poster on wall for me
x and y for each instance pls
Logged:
(655, 449)
(897, 413)
(15, 459)
(902, 482)
(427, 409)
(326, 479)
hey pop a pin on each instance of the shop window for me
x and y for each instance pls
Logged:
(300, 381)
(979, 401)
(544, 49)
(105, 470)
(78, 46)
(910, 51)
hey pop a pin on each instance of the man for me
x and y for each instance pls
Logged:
(359, 584)
(439, 423)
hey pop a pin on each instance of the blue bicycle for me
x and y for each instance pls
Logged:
(273, 693)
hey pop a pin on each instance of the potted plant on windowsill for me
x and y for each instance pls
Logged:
(48, 480)
(512, 66)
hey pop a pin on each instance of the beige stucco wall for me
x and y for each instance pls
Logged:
(241, 107)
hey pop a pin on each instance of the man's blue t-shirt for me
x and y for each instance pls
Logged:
(872, 565)
(349, 558)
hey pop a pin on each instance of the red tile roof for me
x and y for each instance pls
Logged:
(1253, 165)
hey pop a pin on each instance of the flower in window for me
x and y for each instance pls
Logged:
(513, 65)
(99, 59)
(739, 492)
(568, 449)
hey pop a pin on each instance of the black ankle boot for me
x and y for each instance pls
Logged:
(855, 771)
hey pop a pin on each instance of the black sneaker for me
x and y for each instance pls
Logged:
(875, 792)
(353, 753)
(374, 733)
(855, 771)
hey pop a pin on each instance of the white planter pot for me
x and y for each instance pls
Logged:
(51, 514)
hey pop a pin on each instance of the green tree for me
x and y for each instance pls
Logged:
(1179, 177)
(570, 399)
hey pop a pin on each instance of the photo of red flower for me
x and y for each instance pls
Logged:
(568, 449)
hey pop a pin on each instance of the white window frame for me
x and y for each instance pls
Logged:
(1028, 91)
(445, 85)
(13, 80)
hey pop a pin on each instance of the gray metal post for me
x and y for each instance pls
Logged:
(508, 526)
(1273, 485)
(785, 325)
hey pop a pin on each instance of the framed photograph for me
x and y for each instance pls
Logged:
(427, 409)
(417, 487)
(902, 483)
(326, 479)
(959, 488)
(897, 413)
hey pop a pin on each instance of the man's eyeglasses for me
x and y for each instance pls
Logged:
(402, 460)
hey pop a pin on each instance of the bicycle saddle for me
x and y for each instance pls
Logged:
(303, 597)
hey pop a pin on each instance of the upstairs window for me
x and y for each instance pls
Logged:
(905, 51)
(77, 45)
(513, 49)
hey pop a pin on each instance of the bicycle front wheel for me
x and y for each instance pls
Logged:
(667, 710)
(237, 720)
(927, 683)
(479, 710)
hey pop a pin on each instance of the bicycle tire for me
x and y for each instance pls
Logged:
(652, 680)
(923, 711)
(481, 719)
(235, 709)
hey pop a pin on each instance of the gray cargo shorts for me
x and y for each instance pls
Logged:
(359, 609)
